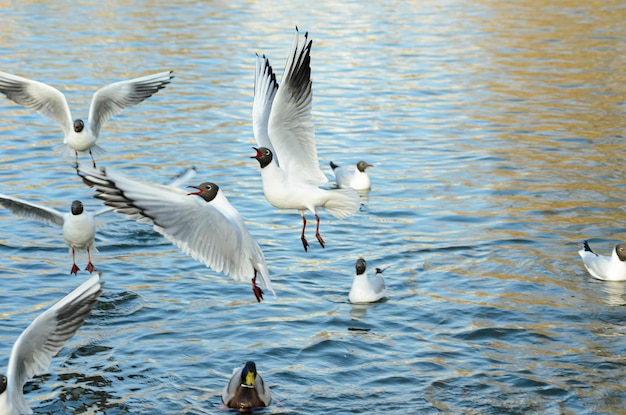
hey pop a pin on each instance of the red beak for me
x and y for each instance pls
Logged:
(195, 193)
(257, 155)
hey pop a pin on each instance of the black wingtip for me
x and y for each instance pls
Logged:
(380, 270)
(586, 247)
(333, 165)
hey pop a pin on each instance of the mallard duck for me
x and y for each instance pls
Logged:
(246, 389)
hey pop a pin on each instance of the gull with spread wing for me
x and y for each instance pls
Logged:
(81, 136)
(79, 226)
(283, 129)
(42, 340)
(203, 224)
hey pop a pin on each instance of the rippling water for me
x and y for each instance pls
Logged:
(496, 131)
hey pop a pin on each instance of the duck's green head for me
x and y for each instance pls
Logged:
(248, 374)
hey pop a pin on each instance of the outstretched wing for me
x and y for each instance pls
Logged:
(113, 98)
(290, 124)
(46, 335)
(200, 229)
(43, 98)
(28, 210)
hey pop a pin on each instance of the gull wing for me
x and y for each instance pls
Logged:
(205, 231)
(29, 210)
(110, 100)
(265, 87)
(43, 98)
(290, 124)
(46, 335)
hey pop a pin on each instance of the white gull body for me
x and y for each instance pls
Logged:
(283, 128)
(603, 267)
(208, 227)
(366, 289)
(79, 226)
(41, 341)
(81, 136)
(354, 177)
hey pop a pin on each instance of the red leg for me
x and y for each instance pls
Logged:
(76, 152)
(90, 266)
(75, 268)
(258, 292)
(305, 244)
(317, 231)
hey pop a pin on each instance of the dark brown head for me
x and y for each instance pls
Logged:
(3, 384)
(360, 266)
(77, 207)
(78, 125)
(620, 250)
(361, 165)
(263, 155)
(206, 190)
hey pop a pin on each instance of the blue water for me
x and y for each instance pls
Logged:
(496, 131)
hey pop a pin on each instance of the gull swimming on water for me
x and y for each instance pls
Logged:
(283, 128)
(367, 289)
(203, 223)
(81, 135)
(79, 226)
(355, 177)
(602, 267)
(246, 389)
(42, 340)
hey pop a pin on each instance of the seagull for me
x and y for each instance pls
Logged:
(605, 268)
(367, 289)
(246, 389)
(202, 223)
(42, 340)
(355, 177)
(283, 129)
(81, 136)
(79, 226)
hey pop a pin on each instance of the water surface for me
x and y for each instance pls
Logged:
(496, 131)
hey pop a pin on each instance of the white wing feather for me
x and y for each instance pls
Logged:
(33, 211)
(212, 233)
(290, 124)
(113, 98)
(46, 335)
(265, 87)
(43, 98)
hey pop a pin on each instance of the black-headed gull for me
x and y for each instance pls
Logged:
(605, 268)
(367, 289)
(79, 226)
(42, 340)
(355, 177)
(246, 389)
(81, 136)
(283, 128)
(203, 223)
